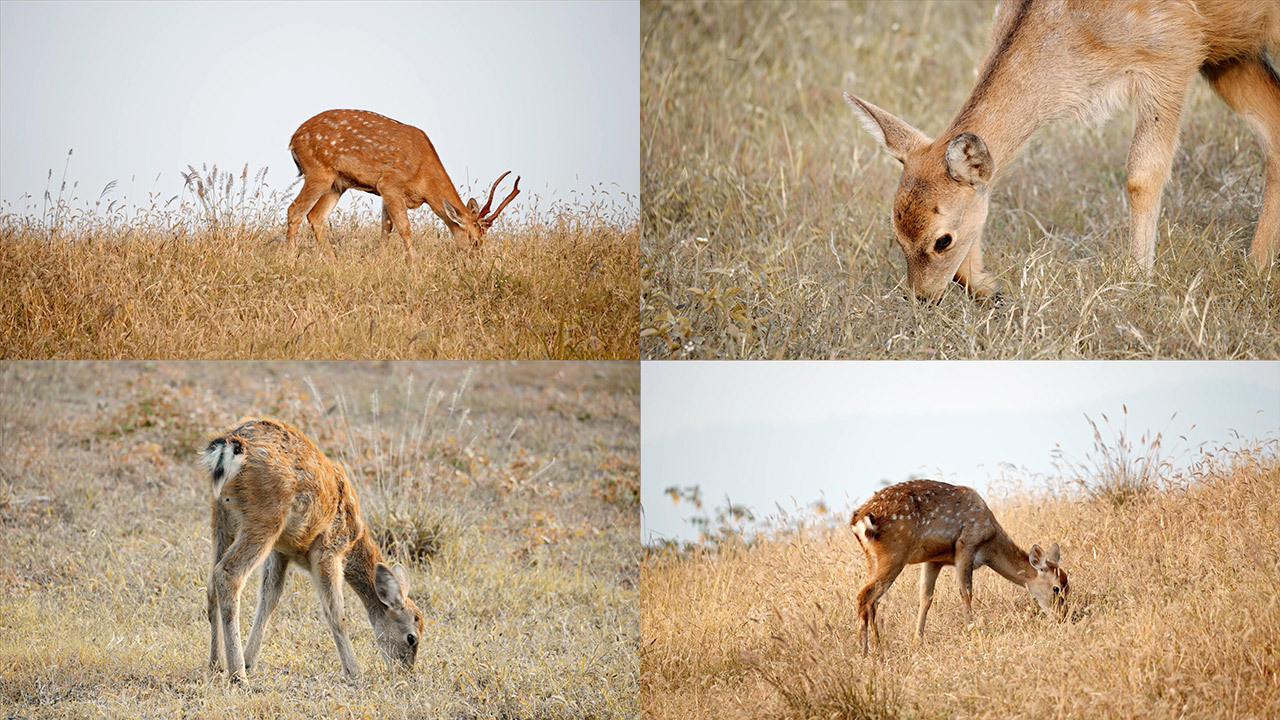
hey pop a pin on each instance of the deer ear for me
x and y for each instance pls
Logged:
(401, 576)
(473, 206)
(968, 161)
(388, 587)
(450, 213)
(1055, 554)
(1036, 557)
(896, 136)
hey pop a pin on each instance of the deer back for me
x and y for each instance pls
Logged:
(922, 520)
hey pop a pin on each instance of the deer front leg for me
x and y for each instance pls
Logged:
(964, 578)
(971, 275)
(395, 206)
(928, 576)
(326, 575)
(273, 572)
(1155, 136)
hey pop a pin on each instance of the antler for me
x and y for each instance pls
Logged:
(515, 190)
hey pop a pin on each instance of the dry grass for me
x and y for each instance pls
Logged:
(490, 475)
(766, 205)
(211, 278)
(1175, 613)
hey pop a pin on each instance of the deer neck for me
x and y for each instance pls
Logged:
(1009, 560)
(360, 571)
(1010, 101)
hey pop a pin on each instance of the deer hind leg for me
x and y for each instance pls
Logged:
(302, 205)
(1252, 89)
(1155, 136)
(246, 553)
(319, 219)
(326, 575)
(882, 576)
(217, 655)
(273, 572)
(928, 576)
(394, 207)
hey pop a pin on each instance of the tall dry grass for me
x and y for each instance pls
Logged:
(497, 485)
(766, 205)
(207, 275)
(1175, 613)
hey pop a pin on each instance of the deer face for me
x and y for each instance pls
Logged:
(1049, 587)
(941, 203)
(467, 227)
(398, 628)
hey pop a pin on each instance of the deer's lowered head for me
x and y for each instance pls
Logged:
(469, 223)
(941, 203)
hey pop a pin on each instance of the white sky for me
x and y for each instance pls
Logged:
(796, 432)
(547, 90)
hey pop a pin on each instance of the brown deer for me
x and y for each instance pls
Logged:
(340, 150)
(1082, 58)
(930, 522)
(278, 500)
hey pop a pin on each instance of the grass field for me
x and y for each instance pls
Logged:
(211, 278)
(1174, 614)
(766, 205)
(510, 489)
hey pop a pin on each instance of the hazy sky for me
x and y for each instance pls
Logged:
(547, 90)
(796, 432)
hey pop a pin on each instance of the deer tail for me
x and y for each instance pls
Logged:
(223, 458)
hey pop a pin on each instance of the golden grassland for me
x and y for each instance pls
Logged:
(766, 205)
(1175, 612)
(511, 490)
(216, 281)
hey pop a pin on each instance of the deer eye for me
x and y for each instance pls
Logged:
(942, 243)
(413, 640)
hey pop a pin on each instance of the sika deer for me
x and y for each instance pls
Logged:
(340, 150)
(924, 521)
(1051, 58)
(278, 499)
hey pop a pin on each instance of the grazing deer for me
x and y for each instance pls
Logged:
(340, 150)
(1082, 58)
(924, 521)
(278, 500)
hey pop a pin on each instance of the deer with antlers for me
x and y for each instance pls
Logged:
(1080, 58)
(937, 524)
(277, 501)
(340, 150)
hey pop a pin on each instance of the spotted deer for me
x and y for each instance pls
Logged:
(1080, 58)
(277, 500)
(340, 150)
(930, 522)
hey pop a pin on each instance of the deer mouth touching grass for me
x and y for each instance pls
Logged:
(937, 524)
(1080, 58)
(278, 501)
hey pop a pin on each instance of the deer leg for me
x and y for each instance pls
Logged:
(1155, 136)
(221, 540)
(928, 576)
(971, 275)
(319, 219)
(302, 205)
(246, 553)
(964, 578)
(273, 572)
(394, 207)
(883, 576)
(1253, 91)
(327, 578)
(387, 227)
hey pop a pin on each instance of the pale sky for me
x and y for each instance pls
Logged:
(547, 90)
(795, 432)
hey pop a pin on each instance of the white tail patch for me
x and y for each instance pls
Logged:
(223, 460)
(863, 527)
